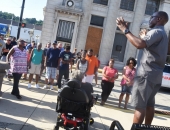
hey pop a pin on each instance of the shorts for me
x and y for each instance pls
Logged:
(51, 72)
(89, 79)
(35, 69)
(143, 92)
(126, 89)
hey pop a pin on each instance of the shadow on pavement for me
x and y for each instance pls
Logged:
(17, 109)
(33, 89)
(14, 124)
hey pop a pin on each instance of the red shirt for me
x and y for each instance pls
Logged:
(111, 72)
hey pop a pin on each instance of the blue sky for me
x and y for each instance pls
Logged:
(33, 8)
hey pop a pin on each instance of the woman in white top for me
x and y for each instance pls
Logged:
(82, 64)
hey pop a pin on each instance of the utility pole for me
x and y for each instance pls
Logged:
(20, 19)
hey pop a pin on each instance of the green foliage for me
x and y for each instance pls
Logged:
(8, 16)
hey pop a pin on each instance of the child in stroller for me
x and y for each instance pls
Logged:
(74, 103)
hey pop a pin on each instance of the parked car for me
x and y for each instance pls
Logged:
(166, 76)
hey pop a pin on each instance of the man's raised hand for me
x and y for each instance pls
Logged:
(121, 24)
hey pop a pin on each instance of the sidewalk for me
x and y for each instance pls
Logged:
(36, 110)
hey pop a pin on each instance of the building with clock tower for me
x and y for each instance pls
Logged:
(85, 24)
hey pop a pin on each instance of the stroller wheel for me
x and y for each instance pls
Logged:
(91, 121)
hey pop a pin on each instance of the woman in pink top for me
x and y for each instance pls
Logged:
(18, 64)
(127, 80)
(109, 76)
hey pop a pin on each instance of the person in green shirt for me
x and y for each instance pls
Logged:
(35, 64)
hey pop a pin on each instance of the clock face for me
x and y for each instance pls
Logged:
(70, 3)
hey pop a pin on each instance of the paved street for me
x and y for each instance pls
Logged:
(37, 109)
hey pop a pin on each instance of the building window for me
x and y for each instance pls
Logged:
(127, 4)
(152, 6)
(103, 2)
(97, 20)
(65, 31)
(119, 47)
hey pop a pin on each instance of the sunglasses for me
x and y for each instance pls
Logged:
(8, 40)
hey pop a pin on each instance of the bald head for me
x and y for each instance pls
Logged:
(159, 18)
(163, 15)
(39, 45)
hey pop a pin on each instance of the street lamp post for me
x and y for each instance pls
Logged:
(37, 38)
(31, 33)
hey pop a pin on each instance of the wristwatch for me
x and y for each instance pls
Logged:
(126, 31)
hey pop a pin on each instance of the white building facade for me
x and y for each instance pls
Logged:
(91, 24)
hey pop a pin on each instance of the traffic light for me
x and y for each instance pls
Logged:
(23, 25)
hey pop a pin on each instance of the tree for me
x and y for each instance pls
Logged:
(8, 16)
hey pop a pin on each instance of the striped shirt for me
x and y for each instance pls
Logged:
(18, 61)
(82, 67)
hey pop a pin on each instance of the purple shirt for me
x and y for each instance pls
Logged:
(18, 61)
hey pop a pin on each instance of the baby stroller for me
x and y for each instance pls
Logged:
(74, 103)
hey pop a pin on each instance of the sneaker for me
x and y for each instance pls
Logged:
(29, 86)
(45, 87)
(37, 86)
(51, 87)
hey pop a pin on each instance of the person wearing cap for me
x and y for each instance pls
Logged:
(35, 64)
(18, 63)
(65, 60)
(51, 64)
(31, 45)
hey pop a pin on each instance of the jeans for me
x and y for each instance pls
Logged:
(61, 73)
(15, 89)
(106, 89)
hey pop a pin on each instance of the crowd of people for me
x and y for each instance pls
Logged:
(56, 60)
(28, 60)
